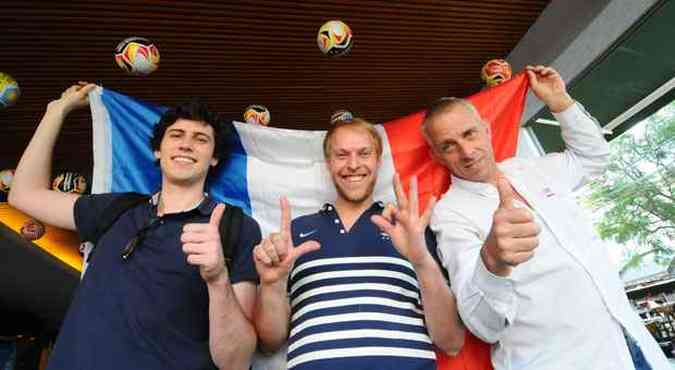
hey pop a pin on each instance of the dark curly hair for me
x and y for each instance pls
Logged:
(196, 109)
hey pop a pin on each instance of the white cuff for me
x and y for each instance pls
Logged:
(496, 289)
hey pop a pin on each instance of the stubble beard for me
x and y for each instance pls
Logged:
(358, 198)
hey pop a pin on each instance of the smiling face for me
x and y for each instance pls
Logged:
(186, 152)
(460, 141)
(353, 161)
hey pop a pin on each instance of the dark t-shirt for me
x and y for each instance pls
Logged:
(151, 310)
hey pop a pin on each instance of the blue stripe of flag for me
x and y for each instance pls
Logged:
(134, 167)
(231, 185)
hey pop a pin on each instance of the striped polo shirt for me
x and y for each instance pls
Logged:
(355, 303)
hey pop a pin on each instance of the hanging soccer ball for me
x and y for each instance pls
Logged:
(70, 182)
(6, 177)
(495, 72)
(257, 114)
(334, 38)
(341, 115)
(9, 91)
(32, 230)
(137, 56)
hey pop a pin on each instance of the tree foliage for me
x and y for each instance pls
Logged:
(636, 195)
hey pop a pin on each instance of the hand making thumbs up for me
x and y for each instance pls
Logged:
(202, 246)
(275, 255)
(513, 237)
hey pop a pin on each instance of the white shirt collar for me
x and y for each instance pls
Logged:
(481, 188)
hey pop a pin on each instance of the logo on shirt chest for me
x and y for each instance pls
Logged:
(306, 234)
(548, 192)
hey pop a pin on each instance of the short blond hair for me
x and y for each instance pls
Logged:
(355, 123)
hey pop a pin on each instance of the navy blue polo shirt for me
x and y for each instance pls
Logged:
(356, 302)
(150, 311)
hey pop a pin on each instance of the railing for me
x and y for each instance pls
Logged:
(660, 321)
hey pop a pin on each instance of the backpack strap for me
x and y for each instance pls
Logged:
(112, 213)
(229, 228)
(230, 223)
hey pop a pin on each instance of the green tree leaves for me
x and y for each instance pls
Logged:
(637, 192)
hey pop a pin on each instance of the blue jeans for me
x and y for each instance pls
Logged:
(639, 359)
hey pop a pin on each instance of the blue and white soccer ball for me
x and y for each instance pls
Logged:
(6, 177)
(341, 116)
(9, 91)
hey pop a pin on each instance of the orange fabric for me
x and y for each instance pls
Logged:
(62, 244)
(502, 107)
(413, 158)
(475, 355)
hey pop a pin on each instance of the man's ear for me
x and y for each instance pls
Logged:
(214, 162)
(488, 128)
(156, 153)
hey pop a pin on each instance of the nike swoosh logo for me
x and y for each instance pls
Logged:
(304, 235)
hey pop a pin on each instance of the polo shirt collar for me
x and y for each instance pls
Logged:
(205, 206)
(376, 207)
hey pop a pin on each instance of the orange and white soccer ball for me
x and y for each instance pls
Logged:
(257, 114)
(495, 72)
(137, 56)
(334, 38)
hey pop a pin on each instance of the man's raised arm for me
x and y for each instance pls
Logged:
(30, 191)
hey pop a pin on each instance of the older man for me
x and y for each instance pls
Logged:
(528, 271)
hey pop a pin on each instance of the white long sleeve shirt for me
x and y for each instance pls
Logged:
(565, 308)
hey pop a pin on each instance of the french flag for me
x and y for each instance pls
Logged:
(269, 162)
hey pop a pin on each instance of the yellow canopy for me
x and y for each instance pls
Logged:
(62, 244)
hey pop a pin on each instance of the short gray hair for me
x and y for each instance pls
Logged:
(445, 104)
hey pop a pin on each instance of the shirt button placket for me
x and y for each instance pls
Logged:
(337, 222)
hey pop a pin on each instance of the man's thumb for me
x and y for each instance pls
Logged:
(217, 214)
(505, 193)
(306, 247)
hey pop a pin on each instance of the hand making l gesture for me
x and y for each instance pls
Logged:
(275, 255)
